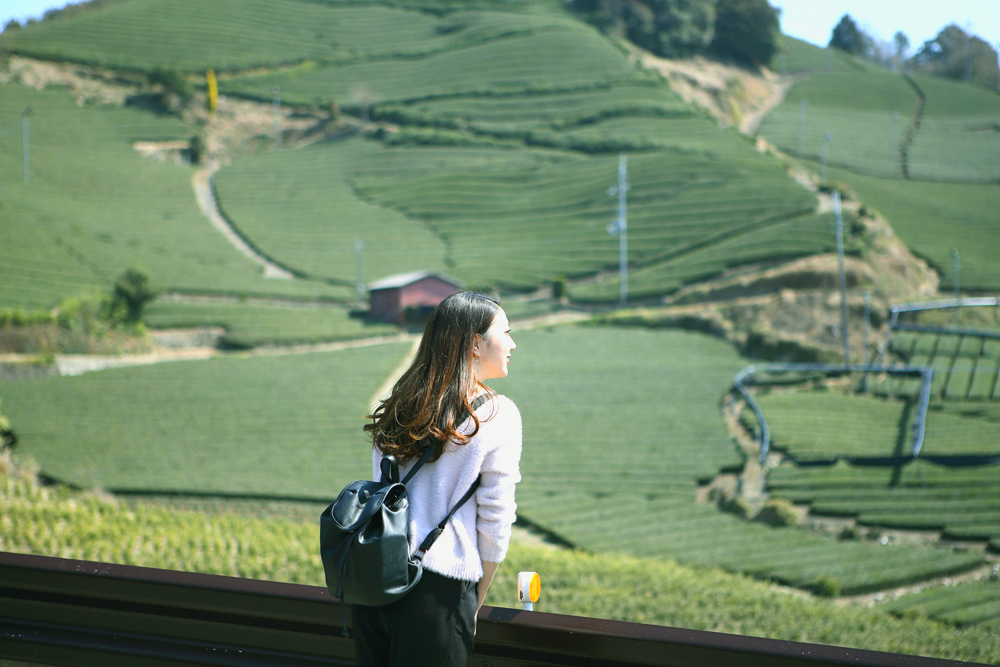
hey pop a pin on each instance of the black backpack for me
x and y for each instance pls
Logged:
(363, 537)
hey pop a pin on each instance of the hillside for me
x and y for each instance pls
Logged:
(920, 149)
(478, 94)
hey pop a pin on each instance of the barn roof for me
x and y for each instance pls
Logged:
(403, 279)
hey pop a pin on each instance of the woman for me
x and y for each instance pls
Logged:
(467, 341)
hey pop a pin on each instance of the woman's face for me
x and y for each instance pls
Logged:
(492, 349)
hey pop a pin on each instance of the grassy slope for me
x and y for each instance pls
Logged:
(52, 522)
(252, 324)
(619, 447)
(934, 218)
(959, 136)
(94, 206)
(281, 425)
(239, 34)
(975, 603)
(920, 495)
(560, 83)
(856, 110)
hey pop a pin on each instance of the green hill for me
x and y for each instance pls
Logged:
(856, 109)
(239, 35)
(94, 206)
(935, 218)
(959, 135)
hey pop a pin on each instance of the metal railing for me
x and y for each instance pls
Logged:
(925, 373)
(55, 611)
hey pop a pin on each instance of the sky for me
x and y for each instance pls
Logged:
(811, 20)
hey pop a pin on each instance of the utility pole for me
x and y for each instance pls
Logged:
(843, 278)
(827, 138)
(954, 277)
(802, 127)
(620, 226)
(277, 116)
(868, 325)
(358, 245)
(26, 144)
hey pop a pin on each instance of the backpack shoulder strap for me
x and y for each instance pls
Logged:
(434, 534)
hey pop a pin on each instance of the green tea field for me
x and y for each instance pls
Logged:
(636, 425)
(961, 502)
(283, 425)
(250, 325)
(936, 218)
(94, 206)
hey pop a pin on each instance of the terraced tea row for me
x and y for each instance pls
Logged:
(960, 502)
(253, 324)
(968, 604)
(568, 56)
(861, 120)
(481, 233)
(610, 463)
(231, 35)
(865, 115)
(609, 452)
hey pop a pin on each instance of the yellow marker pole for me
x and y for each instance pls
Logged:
(213, 90)
(529, 588)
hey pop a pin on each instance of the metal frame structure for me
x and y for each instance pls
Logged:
(962, 332)
(925, 373)
(55, 611)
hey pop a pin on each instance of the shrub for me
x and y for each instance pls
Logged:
(827, 587)
(559, 291)
(778, 513)
(133, 290)
(174, 88)
(15, 317)
(737, 505)
(196, 151)
(850, 533)
(87, 314)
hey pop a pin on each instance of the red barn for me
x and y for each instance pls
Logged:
(391, 298)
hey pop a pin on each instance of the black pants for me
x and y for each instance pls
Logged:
(433, 626)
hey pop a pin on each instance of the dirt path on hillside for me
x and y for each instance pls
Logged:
(204, 194)
(753, 119)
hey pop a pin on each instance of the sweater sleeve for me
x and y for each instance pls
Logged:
(500, 472)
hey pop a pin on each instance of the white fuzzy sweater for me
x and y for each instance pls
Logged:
(480, 529)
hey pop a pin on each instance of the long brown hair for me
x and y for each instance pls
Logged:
(432, 398)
